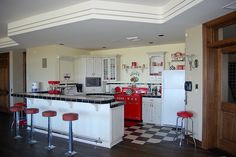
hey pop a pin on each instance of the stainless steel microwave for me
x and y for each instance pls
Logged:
(93, 82)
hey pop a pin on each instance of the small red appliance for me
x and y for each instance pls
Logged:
(54, 87)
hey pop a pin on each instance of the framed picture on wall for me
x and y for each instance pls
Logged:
(156, 65)
(178, 56)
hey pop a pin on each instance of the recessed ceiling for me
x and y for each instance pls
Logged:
(98, 33)
(143, 2)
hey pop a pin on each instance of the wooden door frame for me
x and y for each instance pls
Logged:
(24, 72)
(210, 79)
(8, 71)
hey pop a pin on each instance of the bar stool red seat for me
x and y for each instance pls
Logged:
(31, 111)
(49, 114)
(16, 110)
(70, 117)
(20, 104)
(185, 115)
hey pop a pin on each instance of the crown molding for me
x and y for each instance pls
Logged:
(7, 42)
(95, 9)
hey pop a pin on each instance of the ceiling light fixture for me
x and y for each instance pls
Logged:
(134, 38)
(160, 35)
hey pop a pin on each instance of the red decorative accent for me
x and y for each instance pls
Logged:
(16, 109)
(134, 64)
(31, 110)
(54, 92)
(180, 67)
(53, 82)
(49, 113)
(70, 116)
(117, 89)
(185, 114)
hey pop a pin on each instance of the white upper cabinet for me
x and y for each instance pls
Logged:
(93, 67)
(110, 68)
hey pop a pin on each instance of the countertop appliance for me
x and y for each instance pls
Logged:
(71, 88)
(173, 97)
(79, 87)
(133, 106)
(93, 82)
(54, 87)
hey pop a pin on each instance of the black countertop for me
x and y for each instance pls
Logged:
(95, 99)
(151, 96)
(111, 94)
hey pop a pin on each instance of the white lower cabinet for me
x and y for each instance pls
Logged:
(151, 110)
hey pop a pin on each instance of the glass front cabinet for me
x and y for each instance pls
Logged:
(110, 68)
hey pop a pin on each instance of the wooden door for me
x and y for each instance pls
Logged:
(219, 120)
(226, 91)
(4, 82)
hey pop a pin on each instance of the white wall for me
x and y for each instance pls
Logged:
(141, 56)
(35, 72)
(16, 75)
(67, 67)
(194, 45)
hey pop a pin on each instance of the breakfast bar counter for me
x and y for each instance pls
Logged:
(101, 118)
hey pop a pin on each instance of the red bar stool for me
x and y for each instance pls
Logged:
(16, 110)
(31, 111)
(70, 117)
(22, 120)
(185, 115)
(49, 114)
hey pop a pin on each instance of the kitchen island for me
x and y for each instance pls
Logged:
(101, 118)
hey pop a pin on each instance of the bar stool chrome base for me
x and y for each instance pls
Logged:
(31, 112)
(32, 141)
(49, 114)
(70, 117)
(16, 110)
(50, 147)
(18, 137)
(69, 153)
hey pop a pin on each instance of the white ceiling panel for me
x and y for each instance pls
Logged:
(95, 34)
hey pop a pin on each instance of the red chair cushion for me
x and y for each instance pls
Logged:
(31, 110)
(21, 104)
(70, 116)
(49, 113)
(185, 114)
(16, 109)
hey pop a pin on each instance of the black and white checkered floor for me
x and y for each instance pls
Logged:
(148, 133)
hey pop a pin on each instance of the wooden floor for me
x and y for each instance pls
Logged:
(13, 148)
